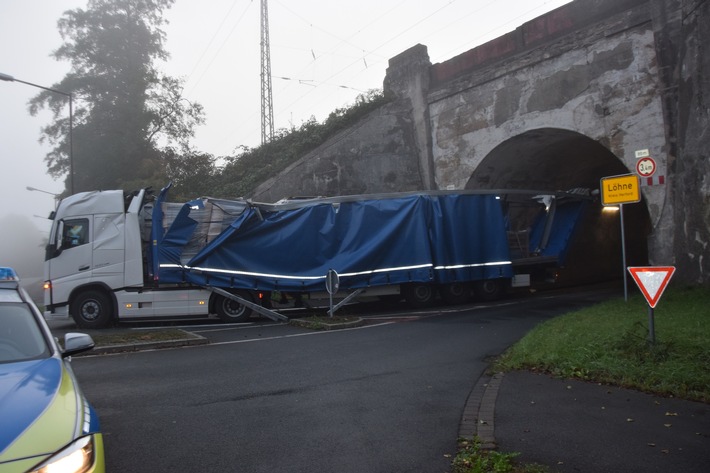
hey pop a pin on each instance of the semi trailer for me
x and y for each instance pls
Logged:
(115, 255)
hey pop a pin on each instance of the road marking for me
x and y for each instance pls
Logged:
(229, 327)
(303, 334)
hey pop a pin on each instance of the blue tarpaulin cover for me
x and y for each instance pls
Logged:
(563, 226)
(439, 238)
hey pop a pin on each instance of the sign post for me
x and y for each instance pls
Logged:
(652, 280)
(332, 283)
(620, 190)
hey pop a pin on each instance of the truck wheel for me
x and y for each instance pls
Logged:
(92, 309)
(489, 290)
(455, 293)
(418, 295)
(231, 311)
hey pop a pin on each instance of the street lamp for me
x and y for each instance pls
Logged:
(9, 78)
(56, 196)
(30, 188)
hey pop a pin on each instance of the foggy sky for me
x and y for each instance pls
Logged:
(323, 54)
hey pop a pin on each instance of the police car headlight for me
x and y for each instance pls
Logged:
(77, 457)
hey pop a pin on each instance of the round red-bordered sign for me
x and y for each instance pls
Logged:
(646, 167)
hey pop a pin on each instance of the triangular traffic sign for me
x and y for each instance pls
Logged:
(652, 280)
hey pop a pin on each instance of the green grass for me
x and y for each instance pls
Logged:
(325, 322)
(608, 343)
(471, 458)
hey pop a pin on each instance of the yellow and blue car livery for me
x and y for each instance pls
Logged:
(46, 423)
(46, 420)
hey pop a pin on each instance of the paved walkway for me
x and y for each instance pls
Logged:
(574, 426)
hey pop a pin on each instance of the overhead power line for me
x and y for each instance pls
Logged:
(216, 53)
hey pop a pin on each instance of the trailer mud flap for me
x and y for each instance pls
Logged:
(275, 316)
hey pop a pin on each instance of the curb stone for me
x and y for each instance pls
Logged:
(320, 325)
(192, 339)
(189, 340)
(478, 419)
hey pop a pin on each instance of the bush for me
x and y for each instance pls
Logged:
(244, 172)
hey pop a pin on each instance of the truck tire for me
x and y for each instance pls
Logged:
(455, 293)
(231, 311)
(92, 309)
(418, 295)
(489, 289)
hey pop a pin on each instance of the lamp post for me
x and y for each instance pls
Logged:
(30, 188)
(9, 78)
(56, 196)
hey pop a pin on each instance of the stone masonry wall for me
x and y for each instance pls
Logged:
(378, 154)
(602, 82)
(387, 151)
(692, 168)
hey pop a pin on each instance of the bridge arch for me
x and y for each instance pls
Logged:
(546, 158)
(558, 159)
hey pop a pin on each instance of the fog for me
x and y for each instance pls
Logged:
(23, 249)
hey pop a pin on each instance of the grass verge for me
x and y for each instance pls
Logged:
(142, 336)
(324, 322)
(608, 343)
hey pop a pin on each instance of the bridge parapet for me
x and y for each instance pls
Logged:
(543, 29)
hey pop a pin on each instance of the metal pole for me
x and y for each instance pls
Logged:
(332, 281)
(9, 78)
(71, 145)
(623, 253)
(651, 328)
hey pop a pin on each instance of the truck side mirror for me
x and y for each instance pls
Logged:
(50, 251)
(58, 244)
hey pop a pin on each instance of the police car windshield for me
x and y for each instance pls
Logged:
(21, 338)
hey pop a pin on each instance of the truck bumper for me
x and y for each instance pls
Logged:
(57, 313)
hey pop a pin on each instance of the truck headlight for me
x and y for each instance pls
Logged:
(77, 457)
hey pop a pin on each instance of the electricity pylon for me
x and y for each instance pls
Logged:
(267, 105)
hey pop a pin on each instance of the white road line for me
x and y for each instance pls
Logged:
(317, 332)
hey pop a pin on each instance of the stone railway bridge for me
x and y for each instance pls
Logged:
(557, 104)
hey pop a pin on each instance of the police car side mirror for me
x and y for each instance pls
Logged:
(75, 343)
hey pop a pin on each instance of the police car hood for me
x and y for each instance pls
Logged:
(39, 407)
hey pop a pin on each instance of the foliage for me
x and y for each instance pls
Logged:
(193, 174)
(124, 109)
(608, 343)
(471, 458)
(243, 173)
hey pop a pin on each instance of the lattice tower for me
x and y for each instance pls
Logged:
(267, 105)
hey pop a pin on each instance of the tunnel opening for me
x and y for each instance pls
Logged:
(552, 159)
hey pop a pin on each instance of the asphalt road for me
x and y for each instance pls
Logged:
(387, 397)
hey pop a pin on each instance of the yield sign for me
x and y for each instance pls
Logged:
(652, 280)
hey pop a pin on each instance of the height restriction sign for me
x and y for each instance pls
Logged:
(645, 167)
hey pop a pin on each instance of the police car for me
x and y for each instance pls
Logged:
(46, 423)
